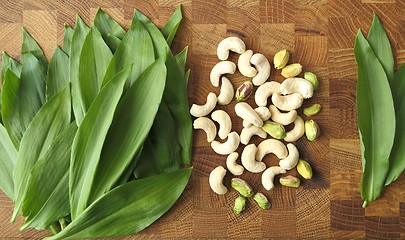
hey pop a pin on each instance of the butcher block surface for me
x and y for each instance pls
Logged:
(320, 35)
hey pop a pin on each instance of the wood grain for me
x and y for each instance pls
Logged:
(320, 35)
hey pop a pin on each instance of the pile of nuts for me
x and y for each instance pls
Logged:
(286, 98)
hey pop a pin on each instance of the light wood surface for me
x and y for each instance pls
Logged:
(320, 35)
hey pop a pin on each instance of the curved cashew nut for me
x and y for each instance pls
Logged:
(226, 93)
(292, 159)
(248, 159)
(287, 102)
(263, 113)
(265, 91)
(268, 176)
(297, 132)
(216, 178)
(233, 44)
(263, 68)
(224, 121)
(232, 166)
(246, 112)
(282, 118)
(204, 110)
(297, 85)
(221, 68)
(271, 146)
(247, 134)
(227, 147)
(244, 64)
(208, 126)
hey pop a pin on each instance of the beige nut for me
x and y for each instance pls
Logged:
(265, 91)
(288, 102)
(224, 121)
(204, 110)
(271, 146)
(233, 167)
(262, 66)
(268, 176)
(249, 162)
(233, 44)
(227, 147)
(297, 132)
(248, 132)
(263, 113)
(282, 118)
(244, 64)
(221, 68)
(216, 180)
(292, 159)
(297, 85)
(246, 112)
(208, 126)
(226, 93)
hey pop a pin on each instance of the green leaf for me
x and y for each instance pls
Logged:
(47, 198)
(113, 42)
(78, 37)
(397, 157)
(8, 62)
(136, 47)
(128, 208)
(137, 117)
(94, 60)
(67, 39)
(378, 40)
(89, 141)
(376, 119)
(175, 94)
(170, 29)
(8, 155)
(108, 26)
(58, 73)
(51, 119)
(10, 107)
(24, 97)
(181, 59)
(29, 45)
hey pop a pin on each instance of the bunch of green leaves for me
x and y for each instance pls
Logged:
(97, 143)
(380, 103)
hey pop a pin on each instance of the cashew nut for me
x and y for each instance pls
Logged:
(204, 110)
(246, 112)
(297, 85)
(232, 166)
(292, 159)
(282, 118)
(224, 121)
(248, 132)
(265, 91)
(248, 159)
(262, 66)
(263, 113)
(221, 68)
(268, 176)
(227, 147)
(271, 146)
(288, 102)
(208, 126)
(233, 44)
(297, 132)
(216, 178)
(244, 64)
(226, 93)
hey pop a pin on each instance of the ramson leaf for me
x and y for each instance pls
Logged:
(51, 119)
(67, 40)
(89, 141)
(8, 155)
(58, 73)
(128, 208)
(170, 29)
(108, 26)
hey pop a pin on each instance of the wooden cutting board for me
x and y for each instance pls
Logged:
(320, 35)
